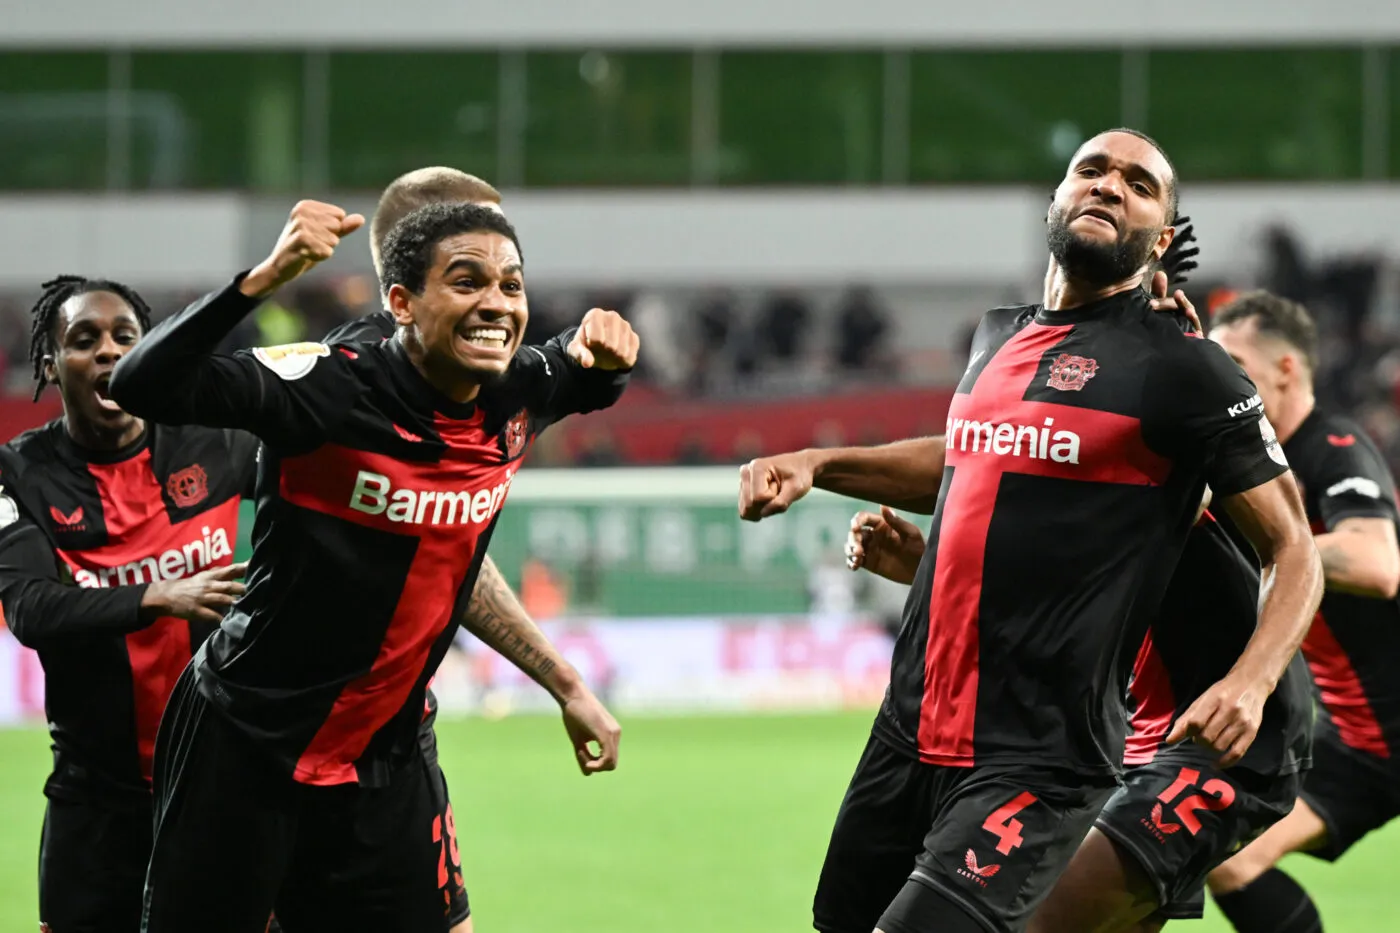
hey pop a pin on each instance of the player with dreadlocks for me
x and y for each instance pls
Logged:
(57, 292)
(116, 546)
(1179, 813)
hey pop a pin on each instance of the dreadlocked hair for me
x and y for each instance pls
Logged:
(45, 311)
(1180, 257)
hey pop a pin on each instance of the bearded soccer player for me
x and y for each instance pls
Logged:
(1353, 648)
(1079, 445)
(1178, 813)
(288, 770)
(116, 544)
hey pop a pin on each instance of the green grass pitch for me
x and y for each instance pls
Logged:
(711, 823)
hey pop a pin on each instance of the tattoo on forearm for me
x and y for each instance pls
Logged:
(496, 617)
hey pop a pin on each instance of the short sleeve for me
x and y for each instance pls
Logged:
(1199, 406)
(1351, 481)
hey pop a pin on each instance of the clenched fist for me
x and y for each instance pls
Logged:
(770, 485)
(604, 341)
(312, 233)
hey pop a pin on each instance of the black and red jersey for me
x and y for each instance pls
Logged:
(1078, 446)
(1207, 616)
(377, 498)
(88, 532)
(1353, 647)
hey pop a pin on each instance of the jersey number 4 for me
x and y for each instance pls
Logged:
(1001, 824)
(1221, 796)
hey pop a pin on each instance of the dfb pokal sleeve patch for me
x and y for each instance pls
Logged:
(291, 360)
(1271, 445)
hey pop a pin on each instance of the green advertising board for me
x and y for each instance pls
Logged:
(660, 541)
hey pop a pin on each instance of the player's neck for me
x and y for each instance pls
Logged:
(1294, 409)
(98, 437)
(446, 379)
(1063, 291)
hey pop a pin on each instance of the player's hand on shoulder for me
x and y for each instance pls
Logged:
(204, 597)
(886, 544)
(604, 341)
(1177, 301)
(589, 723)
(770, 485)
(1225, 718)
(313, 231)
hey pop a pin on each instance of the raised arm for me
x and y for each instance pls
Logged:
(905, 475)
(495, 615)
(582, 369)
(174, 375)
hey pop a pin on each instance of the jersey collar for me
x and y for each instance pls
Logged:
(1093, 310)
(418, 390)
(1313, 419)
(71, 448)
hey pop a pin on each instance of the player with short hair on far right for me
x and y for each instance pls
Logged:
(1353, 647)
(289, 773)
(1079, 445)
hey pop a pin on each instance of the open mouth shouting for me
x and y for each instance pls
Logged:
(102, 390)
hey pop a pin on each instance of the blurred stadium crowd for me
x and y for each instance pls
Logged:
(721, 352)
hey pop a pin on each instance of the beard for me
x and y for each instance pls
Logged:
(1098, 264)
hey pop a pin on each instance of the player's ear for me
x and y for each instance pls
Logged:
(1164, 240)
(399, 302)
(50, 370)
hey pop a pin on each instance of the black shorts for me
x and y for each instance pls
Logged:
(92, 865)
(236, 838)
(1181, 815)
(992, 839)
(449, 870)
(1352, 791)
